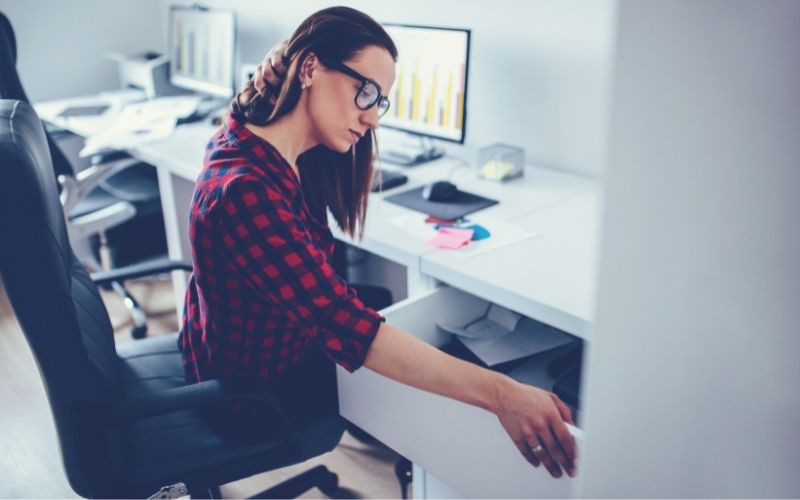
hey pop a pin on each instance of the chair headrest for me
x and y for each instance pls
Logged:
(30, 209)
(7, 38)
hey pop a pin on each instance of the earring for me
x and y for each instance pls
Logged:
(303, 86)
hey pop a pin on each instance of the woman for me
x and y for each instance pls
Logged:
(264, 305)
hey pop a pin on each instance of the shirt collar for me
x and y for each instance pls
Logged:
(271, 160)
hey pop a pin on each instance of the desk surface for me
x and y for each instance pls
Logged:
(383, 236)
(550, 278)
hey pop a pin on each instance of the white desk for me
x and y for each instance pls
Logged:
(540, 188)
(549, 278)
(552, 278)
(458, 449)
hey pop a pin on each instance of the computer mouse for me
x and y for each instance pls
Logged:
(439, 191)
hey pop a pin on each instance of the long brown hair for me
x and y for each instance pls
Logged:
(337, 181)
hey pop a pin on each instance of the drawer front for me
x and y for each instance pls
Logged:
(463, 446)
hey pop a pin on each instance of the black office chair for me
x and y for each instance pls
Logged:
(125, 418)
(112, 203)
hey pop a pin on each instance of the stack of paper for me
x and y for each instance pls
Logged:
(142, 122)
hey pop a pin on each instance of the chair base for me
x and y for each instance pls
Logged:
(320, 477)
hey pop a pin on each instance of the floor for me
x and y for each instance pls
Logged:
(30, 462)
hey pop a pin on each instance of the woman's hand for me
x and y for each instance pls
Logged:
(270, 73)
(535, 421)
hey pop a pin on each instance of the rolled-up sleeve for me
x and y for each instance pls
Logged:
(271, 249)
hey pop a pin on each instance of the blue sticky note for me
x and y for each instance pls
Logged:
(479, 232)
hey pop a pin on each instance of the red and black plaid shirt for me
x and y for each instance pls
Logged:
(262, 289)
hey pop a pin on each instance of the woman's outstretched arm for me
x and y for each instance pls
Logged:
(533, 418)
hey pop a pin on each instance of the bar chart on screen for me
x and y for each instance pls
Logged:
(429, 93)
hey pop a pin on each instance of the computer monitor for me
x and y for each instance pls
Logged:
(202, 50)
(429, 95)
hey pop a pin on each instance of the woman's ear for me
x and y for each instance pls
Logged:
(307, 70)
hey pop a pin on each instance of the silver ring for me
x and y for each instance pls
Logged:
(537, 450)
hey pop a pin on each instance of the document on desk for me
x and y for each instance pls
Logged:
(142, 122)
(121, 97)
(502, 233)
(502, 335)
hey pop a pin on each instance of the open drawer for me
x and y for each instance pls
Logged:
(463, 446)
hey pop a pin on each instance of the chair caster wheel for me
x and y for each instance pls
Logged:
(139, 332)
(403, 471)
(330, 484)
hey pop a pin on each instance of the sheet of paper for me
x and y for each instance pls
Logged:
(124, 137)
(502, 233)
(120, 97)
(415, 225)
(496, 321)
(507, 318)
(530, 337)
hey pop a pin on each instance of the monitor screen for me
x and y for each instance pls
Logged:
(202, 50)
(429, 95)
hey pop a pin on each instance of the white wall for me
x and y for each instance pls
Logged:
(60, 44)
(693, 373)
(538, 76)
(538, 72)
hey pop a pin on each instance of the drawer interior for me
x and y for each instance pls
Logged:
(464, 446)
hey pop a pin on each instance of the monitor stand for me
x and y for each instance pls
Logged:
(210, 108)
(410, 156)
(212, 105)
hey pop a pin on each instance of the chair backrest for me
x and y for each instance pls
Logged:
(11, 88)
(59, 308)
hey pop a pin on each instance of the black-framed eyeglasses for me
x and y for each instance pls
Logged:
(369, 94)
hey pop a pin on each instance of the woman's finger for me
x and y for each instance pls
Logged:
(540, 450)
(565, 443)
(563, 409)
(270, 74)
(526, 452)
(277, 64)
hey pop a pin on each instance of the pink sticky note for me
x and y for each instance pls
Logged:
(451, 237)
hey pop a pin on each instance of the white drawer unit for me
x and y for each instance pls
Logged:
(461, 445)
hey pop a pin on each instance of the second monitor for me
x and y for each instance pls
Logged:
(202, 48)
(429, 95)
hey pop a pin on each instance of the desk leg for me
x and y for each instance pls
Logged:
(418, 485)
(426, 485)
(175, 196)
(417, 282)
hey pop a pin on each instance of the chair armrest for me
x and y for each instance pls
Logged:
(109, 156)
(139, 271)
(94, 222)
(55, 131)
(189, 397)
(74, 189)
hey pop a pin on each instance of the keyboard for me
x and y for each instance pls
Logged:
(409, 159)
(384, 180)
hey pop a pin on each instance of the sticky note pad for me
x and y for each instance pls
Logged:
(436, 220)
(451, 237)
(478, 232)
(496, 170)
